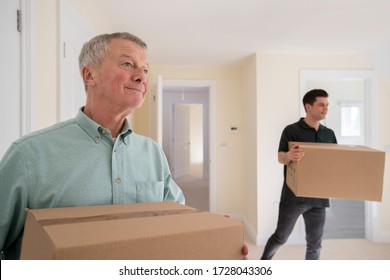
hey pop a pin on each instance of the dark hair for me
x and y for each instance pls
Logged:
(311, 96)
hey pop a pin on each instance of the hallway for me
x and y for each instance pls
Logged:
(195, 188)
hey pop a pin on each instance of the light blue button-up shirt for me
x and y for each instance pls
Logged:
(77, 163)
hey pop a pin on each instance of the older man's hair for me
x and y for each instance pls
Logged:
(93, 51)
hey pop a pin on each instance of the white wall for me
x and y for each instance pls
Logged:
(196, 133)
(383, 118)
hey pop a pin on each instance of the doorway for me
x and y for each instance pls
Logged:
(186, 141)
(187, 154)
(350, 94)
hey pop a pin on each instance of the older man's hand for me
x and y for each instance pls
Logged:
(245, 249)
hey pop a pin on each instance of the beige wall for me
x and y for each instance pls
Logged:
(45, 63)
(229, 110)
(260, 97)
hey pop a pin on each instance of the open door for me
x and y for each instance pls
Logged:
(181, 140)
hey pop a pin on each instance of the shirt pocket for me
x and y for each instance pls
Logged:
(149, 191)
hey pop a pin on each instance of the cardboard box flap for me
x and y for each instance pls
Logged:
(335, 147)
(113, 231)
(85, 211)
(116, 216)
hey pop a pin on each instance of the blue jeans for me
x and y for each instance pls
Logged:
(314, 224)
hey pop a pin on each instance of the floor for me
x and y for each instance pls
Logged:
(332, 249)
(343, 234)
(195, 188)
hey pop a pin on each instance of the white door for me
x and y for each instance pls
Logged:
(74, 33)
(181, 140)
(10, 94)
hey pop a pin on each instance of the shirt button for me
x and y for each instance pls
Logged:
(97, 138)
(117, 180)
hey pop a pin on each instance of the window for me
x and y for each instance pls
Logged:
(350, 120)
(352, 125)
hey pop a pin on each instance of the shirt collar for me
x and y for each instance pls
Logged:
(305, 125)
(94, 130)
(126, 131)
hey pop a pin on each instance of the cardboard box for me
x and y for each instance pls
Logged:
(147, 231)
(337, 171)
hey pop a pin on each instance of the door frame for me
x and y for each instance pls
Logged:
(186, 97)
(27, 65)
(211, 84)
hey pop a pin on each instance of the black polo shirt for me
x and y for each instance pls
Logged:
(302, 132)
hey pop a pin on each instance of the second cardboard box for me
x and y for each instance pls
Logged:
(337, 171)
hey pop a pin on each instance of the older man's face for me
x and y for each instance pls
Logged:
(121, 81)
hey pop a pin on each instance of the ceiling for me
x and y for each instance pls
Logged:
(220, 32)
